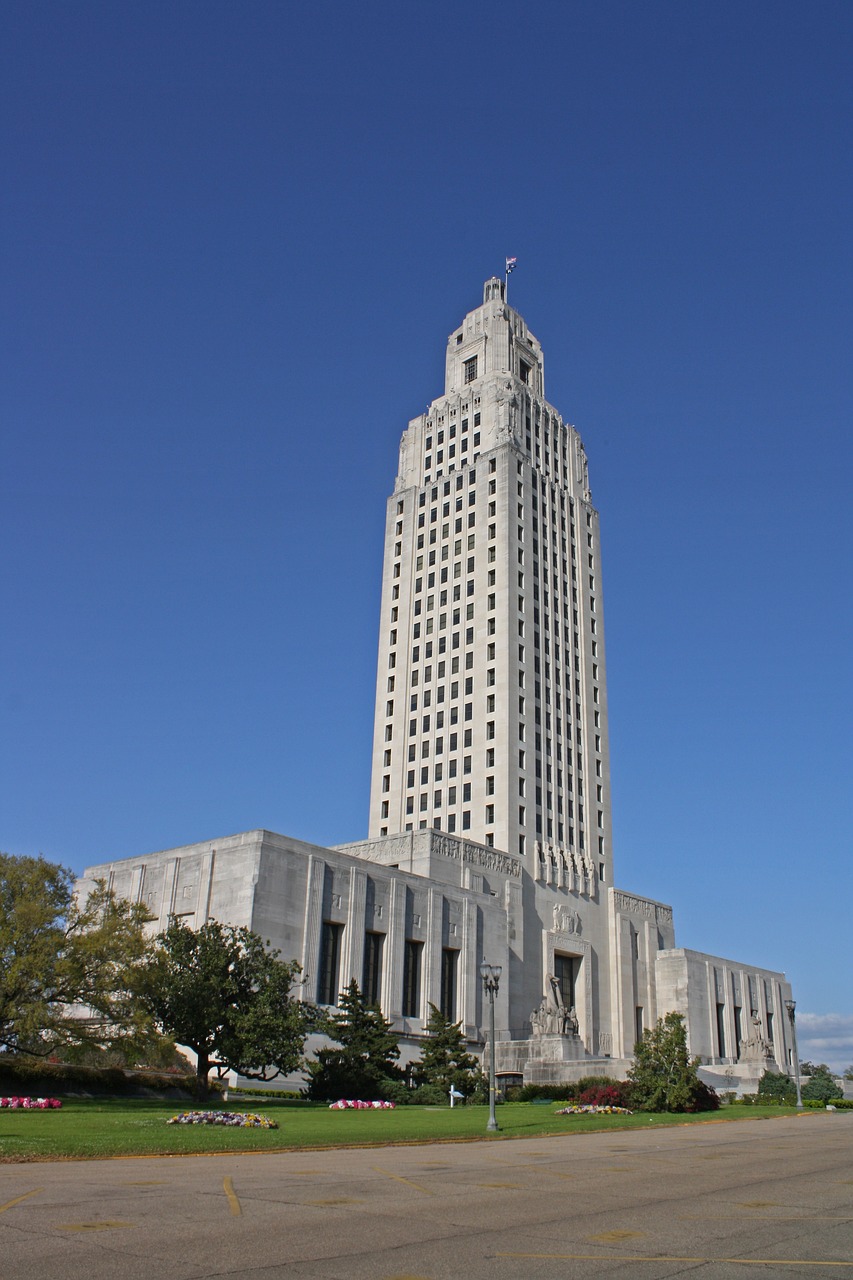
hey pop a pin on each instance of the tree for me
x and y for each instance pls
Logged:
(821, 1085)
(773, 1084)
(58, 953)
(220, 992)
(365, 1065)
(664, 1076)
(445, 1062)
(847, 1074)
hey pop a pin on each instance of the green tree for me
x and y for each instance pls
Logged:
(773, 1084)
(664, 1076)
(445, 1062)
(821, 1085)
(66, 964)
(847, 1074)
(220, 992)
(365, 1065)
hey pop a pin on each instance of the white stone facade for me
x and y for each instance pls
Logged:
(489, 830)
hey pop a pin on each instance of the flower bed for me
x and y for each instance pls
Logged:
(590, 1109)
(227, 1119)
(31, 1104)
(345, 1104)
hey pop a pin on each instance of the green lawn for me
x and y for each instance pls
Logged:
(85, 1129)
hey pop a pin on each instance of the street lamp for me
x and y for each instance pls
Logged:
(491, 975)
(791, 1006)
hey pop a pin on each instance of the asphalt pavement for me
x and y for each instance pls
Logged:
(718, 1199)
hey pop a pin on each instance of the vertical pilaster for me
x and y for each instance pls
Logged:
(137, 883)
(470, 974)
(395, 943)
(310, 959)
(354, 943)
(205, 887)
(432, 949)
(170, 884)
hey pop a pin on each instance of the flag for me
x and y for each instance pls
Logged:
(511, 264)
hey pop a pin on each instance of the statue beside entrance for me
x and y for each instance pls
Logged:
(755, 1048)
(551, 1017)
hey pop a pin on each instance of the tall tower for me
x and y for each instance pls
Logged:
(491, 703)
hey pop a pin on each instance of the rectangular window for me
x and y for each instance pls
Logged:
(721, 1030)
(330, 951)
(371, 983)
(412, 979)
(449, 963)
(565, 973)
(470, 369)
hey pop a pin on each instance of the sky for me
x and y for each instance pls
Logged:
(235, 237)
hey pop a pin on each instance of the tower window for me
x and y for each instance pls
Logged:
(470, 369)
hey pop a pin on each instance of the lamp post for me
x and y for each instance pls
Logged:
(491, 975)
(791, 1006)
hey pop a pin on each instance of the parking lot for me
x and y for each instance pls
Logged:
(718, 1200)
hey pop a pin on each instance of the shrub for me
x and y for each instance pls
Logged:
(28, 1075)
(820, 1087)
(664, 1076)
(565, 1092)
(704, 1098)
(616, 1093)
(427, 1095)
(779, 1087)
(590, 1082)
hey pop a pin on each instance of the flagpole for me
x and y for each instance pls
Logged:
(509, 267)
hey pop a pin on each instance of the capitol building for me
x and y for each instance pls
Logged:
(489, 831)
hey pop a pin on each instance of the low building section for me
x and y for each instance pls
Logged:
(410, 917)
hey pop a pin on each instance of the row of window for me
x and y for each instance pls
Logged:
(328, 984)
(428, 723)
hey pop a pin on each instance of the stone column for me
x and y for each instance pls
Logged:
(432, 950)
(137, 884)
(470, 975)
(395, 946)
(205, 885)
(167, 901)
(310, 959)
(354, 942)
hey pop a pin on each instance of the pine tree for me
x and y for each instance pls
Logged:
(445, 1062)
(365, 1064)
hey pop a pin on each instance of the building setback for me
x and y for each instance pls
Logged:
(489, 830)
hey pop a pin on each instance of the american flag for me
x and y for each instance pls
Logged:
(511, 264)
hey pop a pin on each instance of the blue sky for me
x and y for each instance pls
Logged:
(235, 237)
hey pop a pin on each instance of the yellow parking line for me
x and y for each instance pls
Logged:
(526, 1164)
(761, 1217)
(233, 1202)
(92, 1226)
(18, 1199)
(658, 1257)
(398, 1178)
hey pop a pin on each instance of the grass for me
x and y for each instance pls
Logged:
(87, 1129)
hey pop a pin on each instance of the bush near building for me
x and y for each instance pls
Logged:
(821, 1086)
(664, 1077)
(774, 1086)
